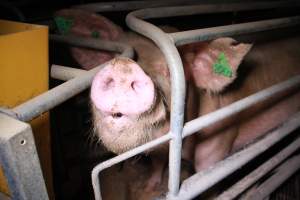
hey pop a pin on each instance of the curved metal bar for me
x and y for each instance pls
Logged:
(177, 91)
(120, 158)
(44, 102)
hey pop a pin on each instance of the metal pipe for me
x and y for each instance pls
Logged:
(186, 37)
(203, 180)
(65, 73)
(282, 173)
(94, 44)
(122, 157)
(132, 5)
(177, 93)
(211, 8)
(213, 117)
(44, 102)
(258, 173)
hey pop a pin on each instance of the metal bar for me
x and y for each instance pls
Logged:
(258, 173)
(186, 37)
(177, 93)
(213, 117)
(120, 158)
(65, 73)
(282, 173)
(20, 161)
(132, 5)
(93, 43)
(44, 102)
(211, 8)
(201, 181)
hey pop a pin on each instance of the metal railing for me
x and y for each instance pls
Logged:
(166, 42)
(79, 80)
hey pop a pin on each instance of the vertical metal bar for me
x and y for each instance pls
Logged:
(20, 161)
(177, 94)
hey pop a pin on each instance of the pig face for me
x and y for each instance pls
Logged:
(126, 105)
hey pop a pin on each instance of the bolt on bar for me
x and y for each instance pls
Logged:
(201, 181)
(44, 102)
(282, 173)
(163, 41)
(258, 173)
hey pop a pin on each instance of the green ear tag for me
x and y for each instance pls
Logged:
(95, 34)
(64, 25)
(222, 66)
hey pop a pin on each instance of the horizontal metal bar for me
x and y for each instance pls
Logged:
(44, 102)
(211, 8)
(186, 37)
(203, 180)
(132, 5)
(65, 73)
(258, 173)
(120, 158)
(94, 44)
(282, 173)
(220, 114)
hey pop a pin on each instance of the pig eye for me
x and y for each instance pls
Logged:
(117, 115)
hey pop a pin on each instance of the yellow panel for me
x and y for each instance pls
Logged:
(23, 75)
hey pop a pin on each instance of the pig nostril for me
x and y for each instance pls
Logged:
(133, 85)
(117, 115)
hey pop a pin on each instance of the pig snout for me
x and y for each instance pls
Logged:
(122, 89)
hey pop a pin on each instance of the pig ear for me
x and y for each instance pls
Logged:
(213, 65)
(86, 24)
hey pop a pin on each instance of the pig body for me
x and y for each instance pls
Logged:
(131, 100)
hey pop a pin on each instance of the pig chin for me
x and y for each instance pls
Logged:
(120, 134)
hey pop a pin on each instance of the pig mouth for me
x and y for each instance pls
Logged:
(119, 132)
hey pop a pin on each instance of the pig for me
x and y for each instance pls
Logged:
(130, 100)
